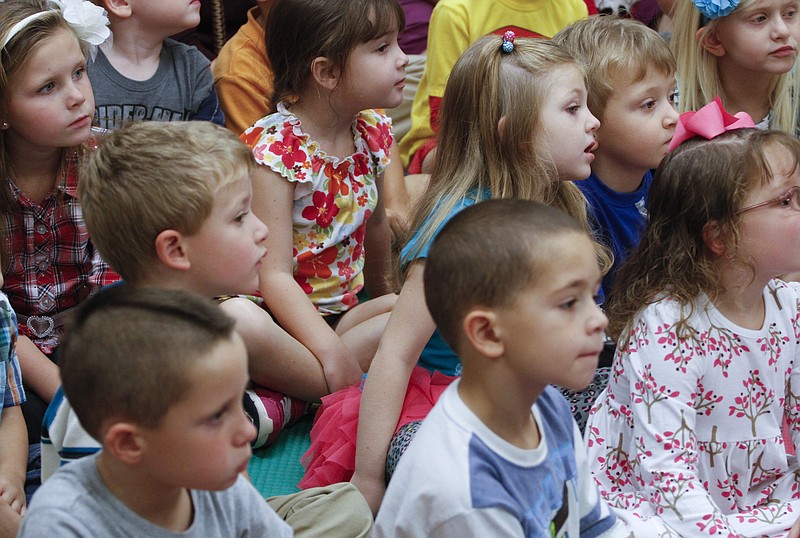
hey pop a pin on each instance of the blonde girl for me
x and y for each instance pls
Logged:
(686, 439)
(46, 109)
(514, 125)
(324, 151)
(745, 52)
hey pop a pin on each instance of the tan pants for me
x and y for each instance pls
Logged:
(335, 511)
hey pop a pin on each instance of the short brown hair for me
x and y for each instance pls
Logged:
(298, 31)
(615, 50)
(130, 349)
(149, 177)
(474, 261)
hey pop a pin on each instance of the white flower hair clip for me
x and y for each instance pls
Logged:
(89, 21)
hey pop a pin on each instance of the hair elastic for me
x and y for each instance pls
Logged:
(508, 42)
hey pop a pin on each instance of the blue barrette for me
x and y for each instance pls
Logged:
(508, 42)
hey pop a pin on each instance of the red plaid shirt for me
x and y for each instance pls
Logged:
(52, 264)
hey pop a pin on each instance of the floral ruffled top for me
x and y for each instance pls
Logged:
(333, 198)
(686, 439)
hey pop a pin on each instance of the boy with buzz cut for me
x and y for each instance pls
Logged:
(168, 204)
(632, 91)
(500, 455)
(156, 376)
(144, 75)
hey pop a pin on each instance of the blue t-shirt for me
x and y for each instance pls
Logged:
(437, 355)
(618, 218)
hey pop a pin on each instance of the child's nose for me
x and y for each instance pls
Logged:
(247, 431)
(261, 231)
(598, 321)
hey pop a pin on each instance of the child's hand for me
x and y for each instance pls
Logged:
(373, 490)
(13, 495)
(10, 521)
(341, 371)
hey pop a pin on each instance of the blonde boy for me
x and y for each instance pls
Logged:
(632, 91)
(499, 454)
(169, 205)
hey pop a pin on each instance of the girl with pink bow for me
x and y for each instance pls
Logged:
(742, 50)
(686, 440)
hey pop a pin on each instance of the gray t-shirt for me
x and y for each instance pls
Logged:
(182, 88)
(76, 502)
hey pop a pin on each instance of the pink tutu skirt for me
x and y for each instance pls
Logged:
(331, 458)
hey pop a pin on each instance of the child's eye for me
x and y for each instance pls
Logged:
(790, 13)
(383, 48)
(240, 217)
(649, 104)
(79, 73)
(573, 109)
(673, 98)
(47, 88)
(569, 304)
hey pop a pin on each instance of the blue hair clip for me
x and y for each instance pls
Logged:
(714, 9)
(508, 42)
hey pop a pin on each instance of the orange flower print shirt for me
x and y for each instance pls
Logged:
(333, 198)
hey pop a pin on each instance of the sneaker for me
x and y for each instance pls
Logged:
(271, 412)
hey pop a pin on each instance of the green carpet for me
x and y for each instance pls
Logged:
(276, 470)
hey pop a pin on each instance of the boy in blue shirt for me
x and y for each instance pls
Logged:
(632, 91)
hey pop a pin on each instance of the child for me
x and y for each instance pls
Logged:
(50, 264)
(631, 84)
(243, 80)
(501, 117)
(144, 75)
(454, 26)
(160, 199)
(324, 153)
(13, 437)
(175, 437)
(742, 51)
(242, 75)
(686, 440)
(507, 456)
(169, 206)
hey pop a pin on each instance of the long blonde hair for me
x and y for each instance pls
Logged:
(698, 72)
(484, 86)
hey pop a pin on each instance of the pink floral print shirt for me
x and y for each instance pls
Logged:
(686, 439)
(333, 198)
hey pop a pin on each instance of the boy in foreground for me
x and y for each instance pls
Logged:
(500, 454)
(157, 377)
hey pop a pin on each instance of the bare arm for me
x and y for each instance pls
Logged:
(41, 375)
(13, 458)
(272, 203)
(397, 200)
(377, 247)
(410, 327)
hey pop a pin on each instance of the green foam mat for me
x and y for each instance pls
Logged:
(276, 470)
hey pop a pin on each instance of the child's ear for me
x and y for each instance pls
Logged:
(501, 127)
(480, 330)
(713, 239)
(171, 250)
(710, 41)
(123, 441)
(325, 73)
(121, 9)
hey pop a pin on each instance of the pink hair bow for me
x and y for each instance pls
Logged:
(710, 121)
